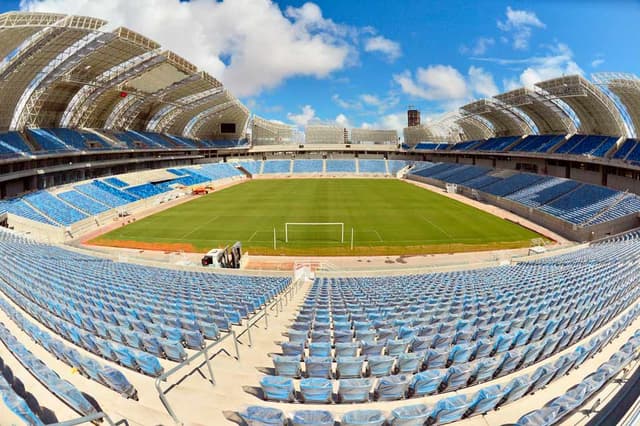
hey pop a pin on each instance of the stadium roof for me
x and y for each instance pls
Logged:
(627, 88)
(505, 121)
(548, 117)
(597, 113)
(64, 71)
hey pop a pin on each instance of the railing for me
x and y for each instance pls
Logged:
(278, 304)
(89, 418)
(204, 352)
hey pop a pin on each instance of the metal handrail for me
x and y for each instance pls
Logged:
(205, 353)
(86, 419)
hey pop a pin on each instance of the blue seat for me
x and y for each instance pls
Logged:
(148, 364)
(397, 347)
(363, 418)
(484, 369)
(346, 349)
(410, 415)
(173, 350)
(125, 356)
(320, 349)
(354, 390)
(515, 389)
(312, 418)
(318, 366)
(450, 409)
(152, 345)
(435, 359)
(541, 377)
(292, 349)
(456, 377)
(194, 339)
(391, 388)
(316, 390)
(117, 381)
(460, 353)
(426, 382)
(485, 400)
(369, 349)
(545, 416)
(276, 388)
(380, 365)
(263, 416)
(349, 367)
(409, 363)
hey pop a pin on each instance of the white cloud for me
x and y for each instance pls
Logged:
(342, 120)
(250, 45)
(480, 47)
(597, 62)
(446, 84)
(370, 99)
(345, 104)
(481, 82)
(520, 24)
(560, 62)
(304, 117)
(389, 48)
(436, 82)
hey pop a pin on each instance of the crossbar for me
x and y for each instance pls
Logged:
(286, 227)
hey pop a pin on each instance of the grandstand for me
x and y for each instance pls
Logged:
(104, 132)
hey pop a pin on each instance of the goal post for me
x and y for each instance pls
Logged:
(294, 224)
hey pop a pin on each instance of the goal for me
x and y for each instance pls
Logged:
(294, 225)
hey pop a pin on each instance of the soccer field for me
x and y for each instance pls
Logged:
(385, 216)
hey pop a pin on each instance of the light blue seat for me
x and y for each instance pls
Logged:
(316, 390)
(297, 336)
(460, 353)
(392, 388)
(485, 400)
(545, 416)
(509, 362)
(173, 350)
(318, 366)
(515, 389)
(194, 339)
(312, 418)
(320, 349)
(292, 349)
(148, 364)
(354, 390)
(349, 367)
(152, 345)
(409, 363)
(117, 381)
(450, 409)
(346, 349)
(410, 415)
(484, 369)
(263, 416)
(435, 359)
(456, 378)
(209, 330)
(541, 377)
(125, 356)
(342, 336)
(18, 406)
(288, 366)
(363, 418)
(397, 347)
(371, 348)
(426, 382)
(276, 388)
(380, 365)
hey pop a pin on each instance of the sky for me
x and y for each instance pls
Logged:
(361, 63)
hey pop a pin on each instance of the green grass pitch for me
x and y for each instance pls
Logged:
(387, 216)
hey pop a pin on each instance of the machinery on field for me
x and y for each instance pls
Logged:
(228, 257)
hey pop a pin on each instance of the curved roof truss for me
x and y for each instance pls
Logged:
(505, 121)
(627, 88)
(474, 128)
(548, 117)
(597, 113)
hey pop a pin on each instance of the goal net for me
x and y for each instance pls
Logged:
(314, 231)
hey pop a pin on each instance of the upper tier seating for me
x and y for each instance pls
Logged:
(538, 143)
(372, 166)
(512, 184)
(597, 146)
(496, 144)
(308, 166)
(114, 181)
(80, 140)
(624, 149)
(276, 167)
(20, 208)
(340, 166)
(582, 204)
(431, 146)
(145, 190)
(12, 144)
(466, 146)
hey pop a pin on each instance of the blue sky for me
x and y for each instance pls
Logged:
(361, 63)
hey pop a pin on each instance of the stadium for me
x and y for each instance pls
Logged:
(171, 257)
